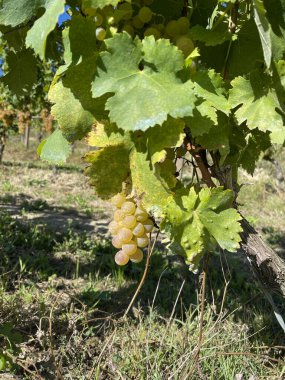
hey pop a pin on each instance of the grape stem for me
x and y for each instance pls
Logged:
(149, 253)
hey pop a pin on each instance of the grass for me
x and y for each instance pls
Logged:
(62, 298)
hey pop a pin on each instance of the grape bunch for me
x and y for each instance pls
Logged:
(138, 19)
(129, 227)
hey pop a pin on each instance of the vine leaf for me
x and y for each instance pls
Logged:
(22, 71)
(100, 3)
(18, 12)
(264, 30)
(55, 149)
(258, 103)
(203, 220)
(37, 35)
(109, 168)
(142, 97)
(209, 37)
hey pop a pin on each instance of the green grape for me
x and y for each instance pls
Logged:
(137, 22)
(119, 215)
(129, 221)
(141, 214)
(125, 235)
(152, 32)
(142, 241)
(139, 230)
(145, 14)
(126, 11)
(159, 27)
(148, 225)
(108, 11)
(98, 19)
(137, 256)
(100, 34)
(89, 11)
(118, 199)
(3, 362)
(114, 227)
(116, 242)
(184, 25)
(185, 44)
(113, 30)
(121, 258)
(172, 29)
(128, 207)
(111, 20)
(129, 29)
(130, 248)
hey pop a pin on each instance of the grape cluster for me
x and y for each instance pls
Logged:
(24, 120)
(129, 227)
(7, 117)
(139, 19)
(47, 120)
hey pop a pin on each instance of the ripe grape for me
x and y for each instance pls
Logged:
(185, 44)
(184, 25)
(141, 214)
(114, 227)
(172, 29)
(121, 258)
(116, 242)
(137, 256)
(152, 32)
(98, 19)
(139, 230)
(111, 20)
(137, 22)
(130, 248)
(142, 241)
(119, 215)
(118, 199)
(129, 221)
(128, 207)
(100, 34)
(148, 225)
(145, 14)
(125, 235)
(113, 30)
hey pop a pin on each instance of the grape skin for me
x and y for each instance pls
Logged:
(141, 215)
(137, 256)
(100, 34)
(139, 230)
(119, 215)
(152, 32)
(128, 207)
(129, 221)
(125, 235)
(98, 19)
(142, 241)
(118, 199)
(121, 258)
(116, 242)
(114, 227)
(145, 14)
(148, 225)
(130, 248)
(185, 44)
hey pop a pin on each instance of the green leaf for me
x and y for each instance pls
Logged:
(155, 196)
(37, 35)
(18, 12)
(109, 168)
(264, 30)
(203, 216)
(259, 102)
(105, 134)
(100, 3)
(210, 37)
(142, 97)
(56, 148)
(170, 134)
(22, 72)
(74, 108)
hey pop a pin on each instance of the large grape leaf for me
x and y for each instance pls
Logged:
(210, 37)
(258, 102)
(18, 12)
(22, 72)
(37, 35)
(203, 218)
(101, 3)
(74, 108)
(105, 134)
(142, 78)
(109, 168)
